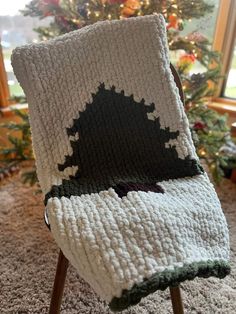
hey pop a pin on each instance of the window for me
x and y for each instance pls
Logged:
(230, 86)
(205, 27)
(224, 41)
(15, 30)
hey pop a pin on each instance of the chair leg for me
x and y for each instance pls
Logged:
(59, 283)
(176, 300)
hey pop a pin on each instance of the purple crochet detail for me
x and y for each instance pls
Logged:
(123, 188)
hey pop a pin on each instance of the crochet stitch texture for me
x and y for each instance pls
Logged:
(127, 200)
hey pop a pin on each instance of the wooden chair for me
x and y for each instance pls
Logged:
(59, 284)
(62, 263)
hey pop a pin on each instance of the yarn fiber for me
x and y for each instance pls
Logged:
(126, 197)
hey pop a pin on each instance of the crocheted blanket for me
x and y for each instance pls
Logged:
(127, 200)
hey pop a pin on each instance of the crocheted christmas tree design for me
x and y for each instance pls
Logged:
(114, 143)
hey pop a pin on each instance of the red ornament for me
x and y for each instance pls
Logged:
(47, 6)
(188, 58)
(198, 126)
(186, 61)
(173, 21)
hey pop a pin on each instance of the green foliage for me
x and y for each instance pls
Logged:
(210, 133)
(20, 148)
(198, 86)
(30, 177)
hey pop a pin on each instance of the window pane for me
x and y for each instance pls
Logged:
(230, 89)
(204, 26)
(15, 30)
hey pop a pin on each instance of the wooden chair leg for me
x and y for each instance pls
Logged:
(59, 283)
(176, 300)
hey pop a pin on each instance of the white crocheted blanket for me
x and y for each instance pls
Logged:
(127, 200)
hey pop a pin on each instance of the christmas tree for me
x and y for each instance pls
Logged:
(130, 161)
(124, 115)
(209, 129)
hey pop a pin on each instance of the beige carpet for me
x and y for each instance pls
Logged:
(28, 257)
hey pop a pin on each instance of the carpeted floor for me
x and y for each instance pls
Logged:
(28, 257)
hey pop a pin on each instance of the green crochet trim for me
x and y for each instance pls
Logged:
(161, 281)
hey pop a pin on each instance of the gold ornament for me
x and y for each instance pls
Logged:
(130, 6)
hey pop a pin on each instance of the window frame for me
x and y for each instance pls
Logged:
(4, 88)
(224, 42)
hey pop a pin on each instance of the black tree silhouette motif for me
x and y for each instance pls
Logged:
(115, 144)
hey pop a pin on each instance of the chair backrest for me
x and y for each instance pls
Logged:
(105, 109)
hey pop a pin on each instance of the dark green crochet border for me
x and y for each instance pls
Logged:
(161, 281)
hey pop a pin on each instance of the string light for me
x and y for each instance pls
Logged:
(190, 20)
(202, 152)
(213, 167)
(121, 6)
(109, 16)
(97, 14)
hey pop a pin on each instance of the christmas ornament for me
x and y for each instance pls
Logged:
(199, 126)
(196, 36)
(48, 6)
(173, 21)
(186, 61)
(130, 7)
